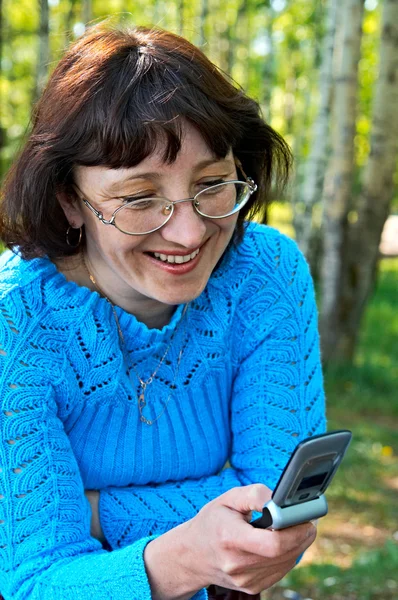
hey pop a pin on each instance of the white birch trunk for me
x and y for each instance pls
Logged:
(269, 64)
(87, 12)
(377, 186)
(339, 177)
(204, 13)
(181, 16)
(43, 50)
(310, 192)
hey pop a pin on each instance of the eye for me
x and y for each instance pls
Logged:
(139, 203)
(137, 197)
(205, 184)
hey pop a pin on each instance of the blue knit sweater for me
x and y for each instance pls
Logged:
(248, 389)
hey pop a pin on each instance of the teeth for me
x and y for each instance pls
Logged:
(174, 258)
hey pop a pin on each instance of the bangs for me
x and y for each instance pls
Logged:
(140, 107)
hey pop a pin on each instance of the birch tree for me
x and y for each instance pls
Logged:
(310, 190)
(70, 14)
(339, 178)
(44, 49)
(377, 188)
(269, 63)
(87, 11)
(204, 13)
(233, 35)
(180, 9)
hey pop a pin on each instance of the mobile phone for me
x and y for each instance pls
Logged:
(299, 493)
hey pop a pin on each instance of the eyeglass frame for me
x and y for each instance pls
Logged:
(249, 181)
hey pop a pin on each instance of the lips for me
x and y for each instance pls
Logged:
(176, 258)
(177, 263)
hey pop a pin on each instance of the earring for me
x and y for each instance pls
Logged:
(80, 236)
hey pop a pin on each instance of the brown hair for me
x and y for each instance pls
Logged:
(113, 95)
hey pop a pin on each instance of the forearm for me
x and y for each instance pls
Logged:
(96, 528)
(130, 513)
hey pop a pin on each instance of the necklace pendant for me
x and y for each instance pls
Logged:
(141, 401)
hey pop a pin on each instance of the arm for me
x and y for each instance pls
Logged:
(46, 551)
(277, 400)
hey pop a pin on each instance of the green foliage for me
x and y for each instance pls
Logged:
(372, 576)
(370, 385)
(271, 48)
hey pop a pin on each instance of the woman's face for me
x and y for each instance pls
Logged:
(125, 266)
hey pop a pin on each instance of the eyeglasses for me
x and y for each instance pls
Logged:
(146, 215)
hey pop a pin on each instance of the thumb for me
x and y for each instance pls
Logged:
(246, 498)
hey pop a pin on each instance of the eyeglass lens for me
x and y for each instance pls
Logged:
(147, 214)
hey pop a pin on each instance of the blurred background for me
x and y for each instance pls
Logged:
(325, 73)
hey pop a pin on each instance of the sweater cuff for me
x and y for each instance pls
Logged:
(124, 520)
(112, 519)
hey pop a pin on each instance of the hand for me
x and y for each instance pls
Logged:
(220, 547)
(96, 529)
(243, 558)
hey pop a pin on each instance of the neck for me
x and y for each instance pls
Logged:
(152, 313)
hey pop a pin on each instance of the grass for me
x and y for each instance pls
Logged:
(355, 556)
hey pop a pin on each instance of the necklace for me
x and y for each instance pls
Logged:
(141, 402)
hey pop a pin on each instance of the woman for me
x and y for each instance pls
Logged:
(148, 334)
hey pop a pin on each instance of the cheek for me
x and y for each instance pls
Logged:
(107, 238)
(228, 226)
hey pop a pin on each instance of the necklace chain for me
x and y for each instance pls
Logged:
(141, 402)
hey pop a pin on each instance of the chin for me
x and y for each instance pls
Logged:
(175, 297)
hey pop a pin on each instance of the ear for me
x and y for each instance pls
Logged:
(71, 206)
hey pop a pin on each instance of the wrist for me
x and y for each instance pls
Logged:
(172, 567)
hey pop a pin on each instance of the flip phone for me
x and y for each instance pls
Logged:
(299, 493)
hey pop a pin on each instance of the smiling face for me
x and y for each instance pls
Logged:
(173, 264)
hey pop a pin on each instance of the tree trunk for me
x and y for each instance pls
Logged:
(69, 21)
(204, 13)
(180, 17)
(233, 36)
(87, 11)
(310, 189)
(339, 177)
(377, 188)
(44, 50)
(269, 64)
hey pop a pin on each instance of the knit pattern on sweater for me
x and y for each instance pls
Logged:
(248, 389)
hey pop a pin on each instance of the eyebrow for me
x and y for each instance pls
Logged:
(155, 175)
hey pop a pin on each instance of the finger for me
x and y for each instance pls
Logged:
(246, 498)
(254, 561)
(260, 577)
(263, 583)
(273, 544)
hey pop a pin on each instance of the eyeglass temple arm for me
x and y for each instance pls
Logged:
(249, 180)
(97, 213)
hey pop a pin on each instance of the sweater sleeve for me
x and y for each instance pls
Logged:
(46, 552)
(277, 400)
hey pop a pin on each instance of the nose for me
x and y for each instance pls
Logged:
(185, 227)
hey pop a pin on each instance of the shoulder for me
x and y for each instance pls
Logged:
(36, 295)
(262, 243)
(265, 257)
(16, 273)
